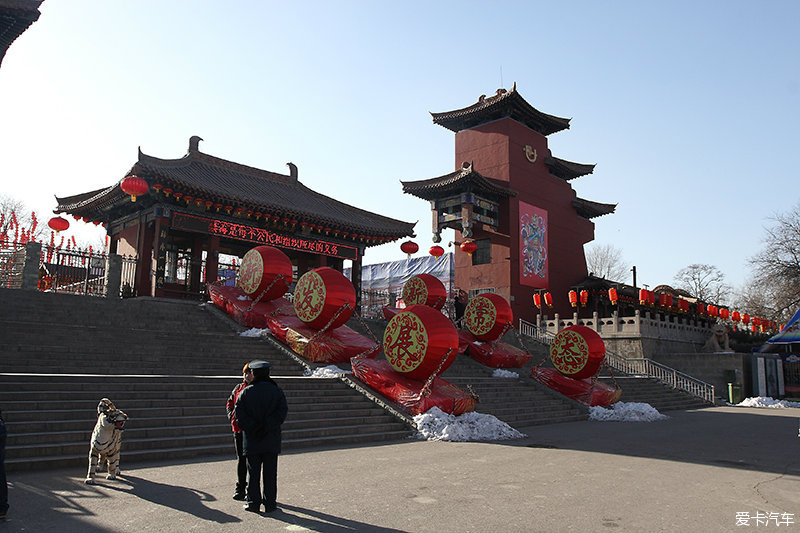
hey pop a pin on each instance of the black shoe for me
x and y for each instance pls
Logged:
(241, 496)
(271, 509)
(253, 508)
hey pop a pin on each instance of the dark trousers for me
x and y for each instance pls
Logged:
(3, 484)
(266, 463)
(241, 463)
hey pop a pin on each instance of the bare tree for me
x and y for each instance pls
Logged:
(605, 261)
(776, 268)
(704, 282)
(14, 214)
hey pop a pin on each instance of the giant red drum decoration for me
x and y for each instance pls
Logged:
(324, 298)
(488, 316)
(260, 269)
(420, 341)
(577, 352)
(425, 289)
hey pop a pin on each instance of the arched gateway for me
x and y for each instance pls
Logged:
(199, 206)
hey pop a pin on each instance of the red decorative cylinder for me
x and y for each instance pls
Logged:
(425, 289)
(260, 267)
(487, 316)
(643, 296)
(573, 298)
(320, 296)
(584, 297)
(537, 300)
(612, 295)
(577, 352)
(548, 299)
(420, 340)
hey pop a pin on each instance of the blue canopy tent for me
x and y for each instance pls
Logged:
(790, 334)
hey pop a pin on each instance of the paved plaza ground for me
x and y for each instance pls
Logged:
(716, 469)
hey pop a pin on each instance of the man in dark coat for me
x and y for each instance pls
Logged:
(261, 409)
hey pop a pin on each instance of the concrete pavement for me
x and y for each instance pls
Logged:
(703, 470)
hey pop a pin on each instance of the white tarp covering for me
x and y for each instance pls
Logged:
(393, 275)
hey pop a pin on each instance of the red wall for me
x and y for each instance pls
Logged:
(497, 151)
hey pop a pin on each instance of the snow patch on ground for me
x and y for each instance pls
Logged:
(503, 373)
(330, 371)
(434, 424)
(766, 401)
(254, 332)
(626, 412)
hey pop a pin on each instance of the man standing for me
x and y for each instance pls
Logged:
(241, 459)
(261, 409)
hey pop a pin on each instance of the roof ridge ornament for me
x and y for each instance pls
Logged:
(292, 170)
(194, 143)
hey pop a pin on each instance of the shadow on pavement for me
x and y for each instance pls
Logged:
(324, 523)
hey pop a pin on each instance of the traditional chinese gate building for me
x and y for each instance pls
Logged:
(514, 199)
(200, 206)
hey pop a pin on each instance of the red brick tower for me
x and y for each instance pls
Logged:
(514, 199)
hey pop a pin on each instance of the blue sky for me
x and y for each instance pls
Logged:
(688, 109)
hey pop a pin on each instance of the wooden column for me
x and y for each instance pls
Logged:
(356, 275)
(212, 259)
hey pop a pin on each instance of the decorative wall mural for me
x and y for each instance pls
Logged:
(533, 248)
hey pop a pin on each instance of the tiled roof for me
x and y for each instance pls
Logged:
(589, 209)
(503, 104)
(15, 17)
(229, 183)
(463, 179)
(567, 170)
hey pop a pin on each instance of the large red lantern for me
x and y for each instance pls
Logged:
(469, 247)
(436, 251)
(320, 296)
(425, 289)
(420, 341)
(612, 295)
(577, 352)
(488, 316)
(260, 270)
(409, 247)
(573, 298)
(135, 186)
(58, 224)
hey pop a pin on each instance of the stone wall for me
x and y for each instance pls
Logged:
(714, 368)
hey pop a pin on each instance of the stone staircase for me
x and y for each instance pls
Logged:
(651, 391)
(169, 365)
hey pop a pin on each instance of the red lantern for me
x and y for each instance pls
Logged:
(756, 321)
(548, 299)
(321, 294)
(701, 308)
(724, 313)
(577, 352)
(745, 319)
(573, 298)
(651, 298)
(420, 340)
(58, 224)
(157, 187)
(736, 316)
(713, 311)
(425, 289)
(612, 295)
(260, 269)
(409, 247)
(469, 247)
(178, 195)
(135, 186)
(436, 251)
(537, 300)
(584, 297)
(643, 296)
(188, 198)
(683, 305)
(488, 316)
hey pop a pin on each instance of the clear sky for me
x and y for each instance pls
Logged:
(689, 109)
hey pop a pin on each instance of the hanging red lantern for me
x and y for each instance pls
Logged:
(612, 295)
(167, 191)
(468, 247)
(651, 298)
(188, 198)
(736, 316)
(713, 311)
(178, 195)
(425, 289)
(548, 299)
(409, 247)
(488, 316)
(643, 296)
(756, 321)
(58, 224)
(436, 251)
(537, 300)
(135, 186)
(157, 187)
(724, 313)
(584, 297)
(208, 204)
(745, 318)
(573, 298)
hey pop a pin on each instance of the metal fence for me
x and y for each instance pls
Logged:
(11, 267)
(639, 367)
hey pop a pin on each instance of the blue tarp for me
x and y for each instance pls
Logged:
(790, 333)
(393, 275)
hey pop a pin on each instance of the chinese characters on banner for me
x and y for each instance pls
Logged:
(244, 232)
(161, 258)
(534, 268)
